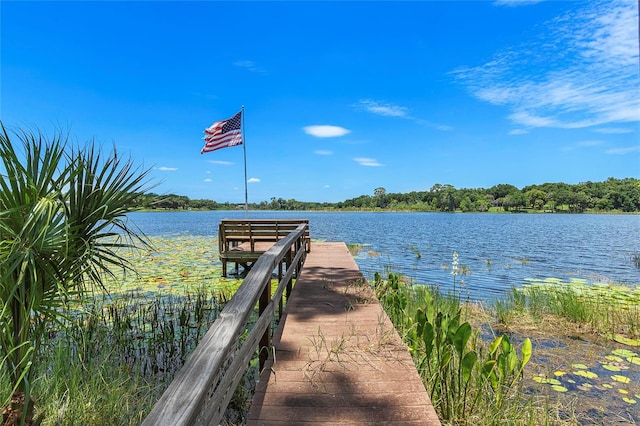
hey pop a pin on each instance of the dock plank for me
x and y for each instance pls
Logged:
(338, 359)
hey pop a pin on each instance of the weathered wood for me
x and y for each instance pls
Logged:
(337, 358)
(202, 388)
(243, 241)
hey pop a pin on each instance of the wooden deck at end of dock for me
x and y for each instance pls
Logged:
(338, 358)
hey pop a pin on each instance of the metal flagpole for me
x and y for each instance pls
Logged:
(244, 148)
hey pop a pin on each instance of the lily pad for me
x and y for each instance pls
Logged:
(613, 358)
(546, 380)
(629, 400)
(611, 367)
(586, 374)
(625, 353)
(634, 360)
(559, 388)
(626, 340)
(621, 379)
(579, 366)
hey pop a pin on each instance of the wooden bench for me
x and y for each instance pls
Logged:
(243, 241)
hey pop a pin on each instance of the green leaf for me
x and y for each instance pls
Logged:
(487, 367)
(512, 359)
(527, 350)
(621, 379)
(445, 357)
(461, 337)
(586, 374)
(428, 336)
(559, 388)
(494, 345)
(626, 340)
(506, 345)
(467, 363)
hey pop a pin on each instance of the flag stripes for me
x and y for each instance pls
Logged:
(223, 134)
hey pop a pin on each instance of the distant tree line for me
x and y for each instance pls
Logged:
(612, 195)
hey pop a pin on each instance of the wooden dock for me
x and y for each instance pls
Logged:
(338, 359)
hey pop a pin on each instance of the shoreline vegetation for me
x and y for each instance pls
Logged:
(610, 196)
(527, 358)
(96, 318)
(551, 352)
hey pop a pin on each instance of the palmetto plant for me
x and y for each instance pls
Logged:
(62, 223)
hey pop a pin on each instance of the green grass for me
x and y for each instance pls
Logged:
(109, 362)
(602, 308)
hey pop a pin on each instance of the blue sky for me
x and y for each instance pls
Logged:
(340, 97)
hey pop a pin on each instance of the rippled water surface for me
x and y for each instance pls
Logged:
(496, 251)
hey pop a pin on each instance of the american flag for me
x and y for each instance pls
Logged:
(223, 134)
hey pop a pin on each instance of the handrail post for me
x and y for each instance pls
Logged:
(265, 340)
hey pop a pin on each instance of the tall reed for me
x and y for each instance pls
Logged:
(112, 358)
(605, 309)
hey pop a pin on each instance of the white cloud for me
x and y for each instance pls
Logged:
(327, 186)
(590, 143)
(325, 131)
(613, 130)
(322, 152)
(253, 180)
(583, 144)
(581, 72)
(443, 127)
(526, 119)
(379, 108)
(208, 180)
(623, 151)
(249, 66)
(518, 132)
(515, 2)
(221, 163)
(391, 110)
(167, 169)
(370, 162)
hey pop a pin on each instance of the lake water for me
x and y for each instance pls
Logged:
(498, 251)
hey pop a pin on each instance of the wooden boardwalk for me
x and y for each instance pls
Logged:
(338, 359)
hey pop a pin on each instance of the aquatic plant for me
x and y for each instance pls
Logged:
(109, 361)
(578, 316)
(466, 378)
(454, 270)
(355, 249)
(609, 309)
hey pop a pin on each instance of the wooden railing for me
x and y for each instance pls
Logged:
(243, 241)
(202, 389)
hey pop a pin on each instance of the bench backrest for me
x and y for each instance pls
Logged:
(236, 231)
